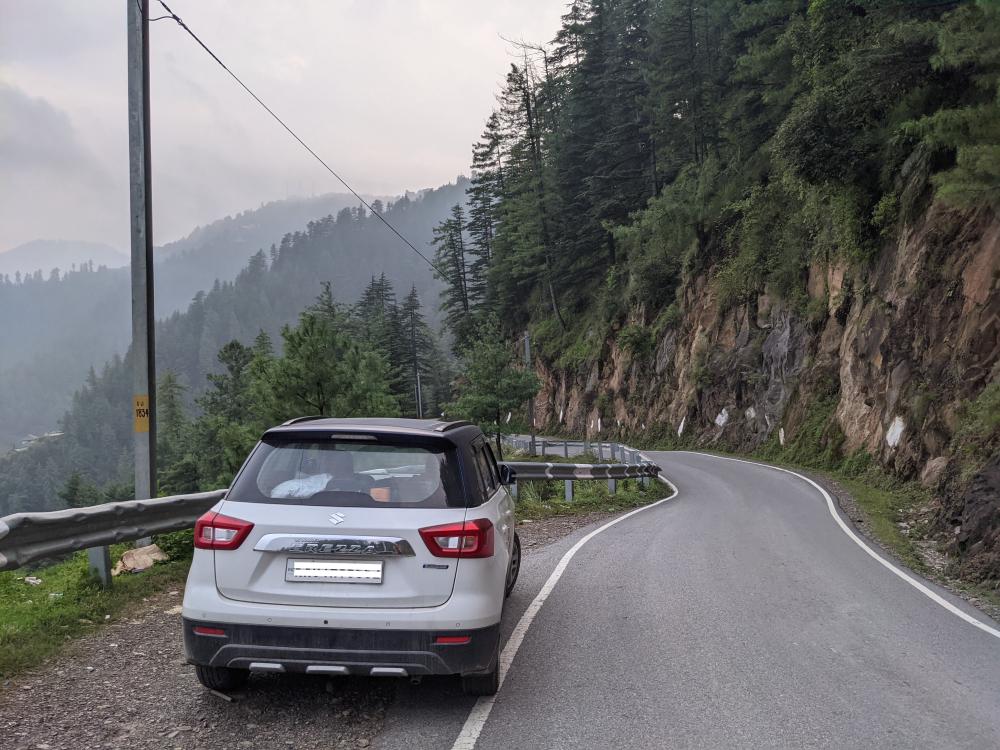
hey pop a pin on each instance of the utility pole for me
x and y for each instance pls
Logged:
(141, 207)
(140, 214)
(531, 401)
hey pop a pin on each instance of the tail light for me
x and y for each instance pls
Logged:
(466, 539)
(447, 640)
(216, 531)
(202, 630)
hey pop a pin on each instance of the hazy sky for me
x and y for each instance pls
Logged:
(391, 93)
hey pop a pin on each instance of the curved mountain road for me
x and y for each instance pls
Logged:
(738, 615)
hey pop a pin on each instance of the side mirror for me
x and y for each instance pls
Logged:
(506, 474)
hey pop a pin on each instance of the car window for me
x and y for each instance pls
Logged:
(487, 479)
(353, 473)
(491, 459)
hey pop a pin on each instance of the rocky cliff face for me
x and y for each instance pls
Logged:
(879, 359)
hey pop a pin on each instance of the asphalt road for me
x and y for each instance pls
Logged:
(736, 615)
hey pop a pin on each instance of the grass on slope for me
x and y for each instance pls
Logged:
(885, 508)
(36, 621)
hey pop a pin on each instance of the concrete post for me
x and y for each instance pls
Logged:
(99, 564)
(141, 215)
(569, 491)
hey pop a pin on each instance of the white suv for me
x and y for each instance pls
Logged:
(366, 547)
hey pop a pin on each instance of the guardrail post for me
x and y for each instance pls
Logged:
(613, 486)
(513, 489)
(99, 564)
(569, 491)
(600, 450)
(545, 445)
(565, 448)
(586, 445)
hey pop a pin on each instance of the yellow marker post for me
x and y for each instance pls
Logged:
(141, 414)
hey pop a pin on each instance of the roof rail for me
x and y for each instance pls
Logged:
(302, 419)
(445, 426)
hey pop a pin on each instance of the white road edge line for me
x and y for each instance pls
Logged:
(929, 593)
(480, 712)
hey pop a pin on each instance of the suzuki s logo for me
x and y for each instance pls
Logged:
(336, 518)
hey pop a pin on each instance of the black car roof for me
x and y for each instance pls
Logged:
(455, 431)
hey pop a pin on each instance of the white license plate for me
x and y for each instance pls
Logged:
(334, 571)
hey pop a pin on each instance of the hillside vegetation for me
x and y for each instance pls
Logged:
(768, 226)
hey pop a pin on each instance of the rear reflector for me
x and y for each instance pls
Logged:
(466, 539)
(452, 640)
(216, 531)
(201, 630)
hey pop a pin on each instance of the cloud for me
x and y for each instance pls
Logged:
(49, 174)
(34, 135)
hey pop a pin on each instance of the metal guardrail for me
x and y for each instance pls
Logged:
(552, 446)
(28, 537)
(633, 463)
(537, 470)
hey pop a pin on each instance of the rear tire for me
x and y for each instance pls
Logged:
(514, 568)
(484, 683)
(221, 678)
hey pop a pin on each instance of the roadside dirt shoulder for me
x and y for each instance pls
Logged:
(128, 686)
(538, 533)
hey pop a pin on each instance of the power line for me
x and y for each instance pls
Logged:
(317, 157)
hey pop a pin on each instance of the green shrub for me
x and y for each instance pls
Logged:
(978, 434)
(637, 340)
(177, 545)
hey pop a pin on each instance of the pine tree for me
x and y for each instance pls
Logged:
(324, 372)
(177, 469)
(484, 196)
(417, 355)
(452, 267)
(968, 42)
(79, 492)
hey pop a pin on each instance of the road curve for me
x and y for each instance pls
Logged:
(737, 615)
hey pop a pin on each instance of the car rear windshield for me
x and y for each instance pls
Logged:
(355, 472)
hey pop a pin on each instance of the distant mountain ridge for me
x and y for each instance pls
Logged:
(219, 250)
(66, 325)
(45, 255)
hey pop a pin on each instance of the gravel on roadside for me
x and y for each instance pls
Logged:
(538, 533)
(128, 686)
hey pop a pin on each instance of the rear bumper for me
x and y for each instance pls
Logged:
(277, 648)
